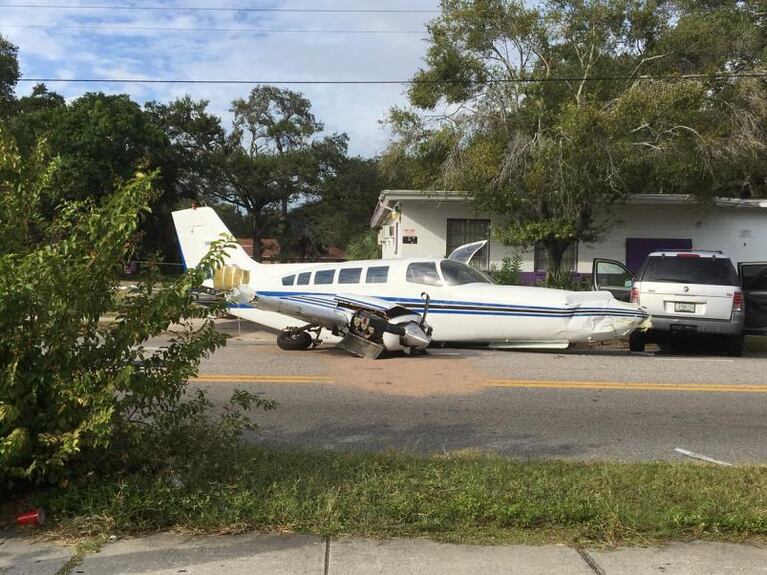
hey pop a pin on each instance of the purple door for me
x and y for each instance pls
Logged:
(637, 249)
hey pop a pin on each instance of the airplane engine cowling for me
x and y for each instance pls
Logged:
(408, 333)
(415, 336)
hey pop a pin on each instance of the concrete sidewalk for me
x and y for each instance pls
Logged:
(166, 554)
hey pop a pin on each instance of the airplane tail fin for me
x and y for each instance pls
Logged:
(196, 229)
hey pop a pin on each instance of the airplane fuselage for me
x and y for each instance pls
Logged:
(464, 306)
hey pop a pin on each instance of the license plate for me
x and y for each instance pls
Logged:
(684, 307)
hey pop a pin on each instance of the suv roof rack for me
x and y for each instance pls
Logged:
(694, 250)
(720, 252)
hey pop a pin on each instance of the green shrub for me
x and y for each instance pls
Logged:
(510, 271)
(76, 394)
(364, 246)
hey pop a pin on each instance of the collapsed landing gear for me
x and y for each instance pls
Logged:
(299, 338)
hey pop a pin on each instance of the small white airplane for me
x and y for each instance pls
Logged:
(372, 306)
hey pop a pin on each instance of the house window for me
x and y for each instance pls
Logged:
(569, 258)
(460, 232)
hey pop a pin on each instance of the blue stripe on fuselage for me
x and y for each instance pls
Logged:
(489, 308)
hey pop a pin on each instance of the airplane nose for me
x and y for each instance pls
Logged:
(415, 337)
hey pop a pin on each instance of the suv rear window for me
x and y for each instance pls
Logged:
(690, 270)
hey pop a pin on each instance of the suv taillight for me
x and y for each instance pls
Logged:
(737, 301)
(635, 295)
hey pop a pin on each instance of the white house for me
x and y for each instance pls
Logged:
(414, 223)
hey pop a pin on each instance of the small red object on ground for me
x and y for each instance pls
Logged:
(36, 517)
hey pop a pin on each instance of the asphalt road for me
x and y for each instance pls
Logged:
(590, 404)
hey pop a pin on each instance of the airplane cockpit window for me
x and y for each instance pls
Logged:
(288, 280)
(423, 273)
(303, 278)
(349, 276)
(324, 276)
(377, 275)
(458, 274)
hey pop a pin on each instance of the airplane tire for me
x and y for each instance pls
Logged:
(294, 341)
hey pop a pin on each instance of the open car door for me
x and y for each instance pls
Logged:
(612, 276)
(753, 281)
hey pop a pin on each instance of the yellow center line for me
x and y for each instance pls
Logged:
(629, 386)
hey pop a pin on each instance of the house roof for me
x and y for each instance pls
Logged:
(388, 199)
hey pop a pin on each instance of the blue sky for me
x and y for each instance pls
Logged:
(52, 44)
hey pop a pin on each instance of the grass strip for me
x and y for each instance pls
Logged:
(756, 343)
(460, 498)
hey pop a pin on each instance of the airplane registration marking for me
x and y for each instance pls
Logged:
(629, 386)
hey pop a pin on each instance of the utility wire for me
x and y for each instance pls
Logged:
(205, 30)
(686, 77)
(222, 9)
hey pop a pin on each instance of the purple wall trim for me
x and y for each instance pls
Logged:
(637, 249)
(533, 278)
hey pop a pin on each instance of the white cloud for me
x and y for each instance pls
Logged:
(354, 109)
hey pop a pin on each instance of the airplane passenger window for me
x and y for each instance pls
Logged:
(458, 274)
(324, 277)
(303, 279)
(377, 275)
(288, 280)
(349, 276)
(423, 273)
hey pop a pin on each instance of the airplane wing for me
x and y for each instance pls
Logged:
(368, 325)
(314, 309)
(465, 252)
(356, 302)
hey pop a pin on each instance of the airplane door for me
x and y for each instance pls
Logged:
(753, 281)
(612, 276)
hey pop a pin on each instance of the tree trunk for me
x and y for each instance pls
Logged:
(257, 230)
(284, 231)
(555, 251)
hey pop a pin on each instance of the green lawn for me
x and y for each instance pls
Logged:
(462, 498)
(756, 343)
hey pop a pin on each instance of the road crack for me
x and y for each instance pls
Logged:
(591, 562)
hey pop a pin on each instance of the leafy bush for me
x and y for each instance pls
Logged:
(567, 280)
(510, 270)
(76, 394)
(364, 246)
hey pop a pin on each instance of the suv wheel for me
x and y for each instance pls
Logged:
(733, 345)
(637, 341)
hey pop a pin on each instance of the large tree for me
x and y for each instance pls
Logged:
(9, 76)
(543, 111)
(281, 156)
(340, 216)
(101, 141)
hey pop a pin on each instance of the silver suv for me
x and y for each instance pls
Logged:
(688, 293)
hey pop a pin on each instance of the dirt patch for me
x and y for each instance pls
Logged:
(422, 376)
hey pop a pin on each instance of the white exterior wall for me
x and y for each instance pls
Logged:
(740, 232)
(427, 220)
